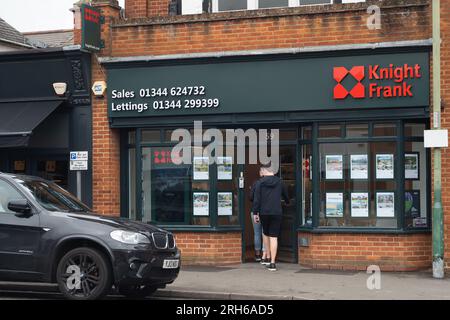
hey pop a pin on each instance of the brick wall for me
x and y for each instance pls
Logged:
(357, 251)
(146, 8)
(106, 142)
(136, 8)
(209, 248)
(158, 8)
(274, 28)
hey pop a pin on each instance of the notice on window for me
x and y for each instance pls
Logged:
(334, 204)
(333, 165)
(412, 203)
(411, 166)
(359, 166)
(224, 168)
(201, 168)
(384, 166)
(360, 204)
(225, 203)
(385, 204)
(200, 203)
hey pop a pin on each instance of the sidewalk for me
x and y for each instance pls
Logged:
(291, 281)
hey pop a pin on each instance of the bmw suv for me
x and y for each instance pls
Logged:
(48, 235)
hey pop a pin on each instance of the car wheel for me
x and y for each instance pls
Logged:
(137, 291)
(84, 274)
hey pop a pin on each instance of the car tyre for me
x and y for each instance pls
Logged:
(137, 291)
(92, 269)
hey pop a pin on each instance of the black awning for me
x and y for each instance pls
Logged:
(19, 119)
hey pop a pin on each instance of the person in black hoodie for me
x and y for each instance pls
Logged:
(269, 191)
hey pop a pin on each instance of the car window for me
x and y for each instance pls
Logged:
(51, 196)
(7, 194)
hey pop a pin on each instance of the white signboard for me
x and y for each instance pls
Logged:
(78, 160)
(435, 138)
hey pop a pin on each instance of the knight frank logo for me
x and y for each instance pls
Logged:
(339, 74)
(382, 82)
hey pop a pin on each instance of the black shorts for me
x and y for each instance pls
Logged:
(271, 225)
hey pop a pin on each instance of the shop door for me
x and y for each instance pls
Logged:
(287, 240)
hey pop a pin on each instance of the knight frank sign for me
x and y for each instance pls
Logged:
(90, 28)
(270, 84)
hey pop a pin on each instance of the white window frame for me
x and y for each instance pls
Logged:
(254, 4)
(251, 5)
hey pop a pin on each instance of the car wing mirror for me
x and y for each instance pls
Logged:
(21, 207)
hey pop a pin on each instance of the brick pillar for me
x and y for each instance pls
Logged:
(105, 142)
(136, 8)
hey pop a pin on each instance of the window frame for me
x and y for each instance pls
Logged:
(254, 5)
(399, 178)
(20, 192)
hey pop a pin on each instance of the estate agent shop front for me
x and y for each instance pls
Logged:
(350, 152)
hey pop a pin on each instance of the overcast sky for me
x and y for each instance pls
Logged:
(38, 15)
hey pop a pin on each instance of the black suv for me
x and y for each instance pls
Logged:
(48, 235)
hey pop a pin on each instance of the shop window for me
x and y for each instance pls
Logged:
(149, 136)
(227, 187)
(167, 189)
(357, 130)
(288, 135)
(132, 137)
(330, 131)
(357, 185)
(307, 209)
(306, 132)
(414, 129)
(384, 130)
(416, 188)
(132, 183)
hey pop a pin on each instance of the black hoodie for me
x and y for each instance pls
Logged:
(268, 192)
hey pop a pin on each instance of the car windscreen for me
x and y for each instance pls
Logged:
(52, 197)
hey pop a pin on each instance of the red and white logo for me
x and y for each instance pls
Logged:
(391, 81)
(339, 74)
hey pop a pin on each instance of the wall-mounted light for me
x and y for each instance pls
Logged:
(60, 88)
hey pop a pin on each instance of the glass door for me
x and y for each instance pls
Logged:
(287, 240)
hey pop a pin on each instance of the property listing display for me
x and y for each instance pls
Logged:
(201, 168)
(359, 168)
(200, 202)
(335, 204)
(224, 168)
(225, 203)
(334, 167)
(385, 204)
(384, 166)
(359, 204)
(358, 181)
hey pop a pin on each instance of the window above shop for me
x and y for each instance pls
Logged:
(199, 6)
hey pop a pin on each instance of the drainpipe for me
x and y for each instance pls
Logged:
(438, 212)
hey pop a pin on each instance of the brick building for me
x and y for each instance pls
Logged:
(350, 102)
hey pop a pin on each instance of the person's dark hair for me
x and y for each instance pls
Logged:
(265, 166)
